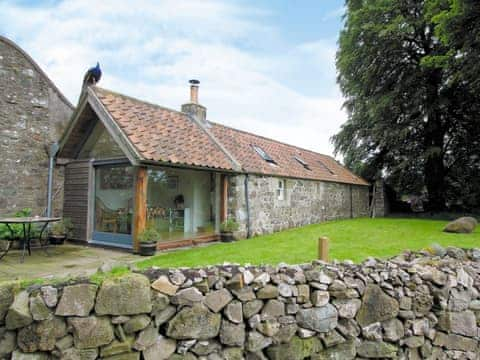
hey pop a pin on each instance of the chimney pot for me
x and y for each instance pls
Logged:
(193, 108)
(194, 84)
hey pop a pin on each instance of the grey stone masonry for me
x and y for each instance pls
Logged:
(380, 206)
(304, 202)
(33, 115)
(413, 306)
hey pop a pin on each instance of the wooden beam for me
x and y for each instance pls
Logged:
(140, 210)
(323, 248)
(224, 198)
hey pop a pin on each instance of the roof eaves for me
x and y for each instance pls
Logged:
(185, 166)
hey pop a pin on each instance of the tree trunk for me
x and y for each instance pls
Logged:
(435, 182)
(433, 142)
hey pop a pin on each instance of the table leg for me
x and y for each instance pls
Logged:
(9, 242)
(24, 241)
(11, 231)
(45, 247)
(28, 238)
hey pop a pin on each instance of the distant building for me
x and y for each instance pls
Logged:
(33, 115)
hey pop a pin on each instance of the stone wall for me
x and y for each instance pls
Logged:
(306, 202)
(33, 115)
(414, 306)
(380, 201)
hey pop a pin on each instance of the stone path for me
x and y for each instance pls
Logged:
(64, 260)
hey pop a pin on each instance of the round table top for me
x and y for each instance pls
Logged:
(26, 220)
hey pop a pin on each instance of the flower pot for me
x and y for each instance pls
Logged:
(227, 236)
(148, 249)
(57, 239)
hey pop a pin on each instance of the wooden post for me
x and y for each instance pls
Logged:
(224, 199)
(323, 248)
(140, 210)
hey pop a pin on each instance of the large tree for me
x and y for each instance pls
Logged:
(412, 118)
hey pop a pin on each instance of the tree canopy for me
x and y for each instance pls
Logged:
(409, 71)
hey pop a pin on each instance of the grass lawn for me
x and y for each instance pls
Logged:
(354, 239)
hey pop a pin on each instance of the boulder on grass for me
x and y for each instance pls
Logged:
(463, 225)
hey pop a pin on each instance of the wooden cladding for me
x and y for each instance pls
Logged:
(76, 197)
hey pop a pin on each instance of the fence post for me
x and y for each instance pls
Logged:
(323, 248)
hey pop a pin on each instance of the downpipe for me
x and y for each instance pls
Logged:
(52, 153)
(247, 206)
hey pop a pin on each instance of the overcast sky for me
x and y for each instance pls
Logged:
(265, 66)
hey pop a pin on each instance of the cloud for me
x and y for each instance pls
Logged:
(149, 49)
(334, 14)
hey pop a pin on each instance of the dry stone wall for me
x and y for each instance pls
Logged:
(414, 306)
(305, 202)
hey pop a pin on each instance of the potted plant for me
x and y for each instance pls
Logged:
(148, 241)
(60, 231)
(227, 228)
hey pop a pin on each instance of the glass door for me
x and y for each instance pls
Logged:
(180, 203)
(114, 198)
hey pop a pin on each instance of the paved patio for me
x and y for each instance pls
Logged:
(64, 260)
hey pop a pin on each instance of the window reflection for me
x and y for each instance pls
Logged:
(114, 199)
(180, 203)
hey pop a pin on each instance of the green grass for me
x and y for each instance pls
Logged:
(354, 239)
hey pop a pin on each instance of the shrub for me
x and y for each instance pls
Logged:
(229, 225)
(62, 227)
(17, 229)
(149, 235)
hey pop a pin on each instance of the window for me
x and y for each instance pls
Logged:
(327, 168)
(100, 145)
(263, 154)
(302, 162)
(281, 190)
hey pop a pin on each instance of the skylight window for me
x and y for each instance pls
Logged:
(327, 168)
(302, 162)
(263, 154)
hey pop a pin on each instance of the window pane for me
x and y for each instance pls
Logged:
(180, 203)
(114, 199)
(100, 145)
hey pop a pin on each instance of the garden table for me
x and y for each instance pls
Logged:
(26, 223)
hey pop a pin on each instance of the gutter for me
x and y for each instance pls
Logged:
(52, 153)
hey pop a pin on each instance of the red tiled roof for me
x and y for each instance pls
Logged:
(165, 135)
(320, 167)
(161, 134)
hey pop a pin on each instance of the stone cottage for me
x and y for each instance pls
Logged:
(33, 116)
(134, 164)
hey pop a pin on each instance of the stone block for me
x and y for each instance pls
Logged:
(196, 322)
(91, 332)
(127, 295)
(77, 300)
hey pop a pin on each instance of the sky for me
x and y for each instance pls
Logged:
(265, 66)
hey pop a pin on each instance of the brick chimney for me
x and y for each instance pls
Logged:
(193, 108)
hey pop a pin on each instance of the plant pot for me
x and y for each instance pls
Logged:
(57, 239)
(148, 249)
(227, 236)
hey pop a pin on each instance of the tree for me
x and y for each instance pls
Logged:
(411, 118)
